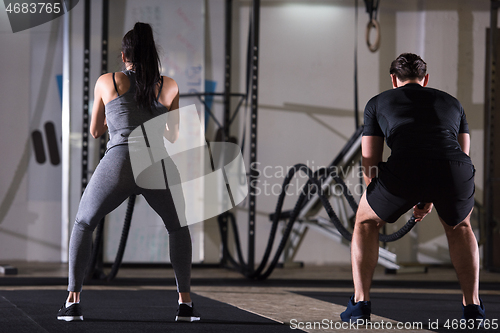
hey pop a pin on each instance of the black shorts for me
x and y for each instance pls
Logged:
(401, 184)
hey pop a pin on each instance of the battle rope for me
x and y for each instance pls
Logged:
(313, 180)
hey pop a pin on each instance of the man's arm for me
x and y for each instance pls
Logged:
(464, 141)
(372, 148)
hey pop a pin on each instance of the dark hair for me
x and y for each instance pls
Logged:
(139, 48)
(408, 66)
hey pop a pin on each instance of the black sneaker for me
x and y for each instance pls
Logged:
(474, 312)
(186, 313)
(73, 312)
(357, 311)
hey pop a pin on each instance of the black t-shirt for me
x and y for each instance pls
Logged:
(417, 123)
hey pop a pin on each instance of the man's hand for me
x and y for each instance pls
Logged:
(421, 213)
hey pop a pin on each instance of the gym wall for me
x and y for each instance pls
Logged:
(306, 103)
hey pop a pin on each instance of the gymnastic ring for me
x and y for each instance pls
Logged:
(373, 24)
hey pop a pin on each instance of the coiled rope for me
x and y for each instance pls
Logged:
(313, 180)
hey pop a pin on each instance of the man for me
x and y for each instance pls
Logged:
(427, 132)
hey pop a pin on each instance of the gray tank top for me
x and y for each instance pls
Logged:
(123, 114)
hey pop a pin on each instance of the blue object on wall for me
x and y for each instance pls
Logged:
(209, 88)
(59, 79)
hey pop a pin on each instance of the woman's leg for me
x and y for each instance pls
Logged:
(181, 256)
(111, 183)
(179, 239)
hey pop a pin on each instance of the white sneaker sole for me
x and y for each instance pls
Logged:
(69, 318)
(187, 319)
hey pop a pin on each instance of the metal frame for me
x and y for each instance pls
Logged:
(86, 83)
(228, 118)
(323, 225)
(489, 144)
(104, 61)
(227, 66)
(253, 131)
(104, 138)
(227, 102)
(65, 151)
(86, 97)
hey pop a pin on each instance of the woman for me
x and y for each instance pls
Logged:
(122, 102)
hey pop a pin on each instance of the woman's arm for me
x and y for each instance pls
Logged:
(98, 125)
(171, 132)
(372, 148)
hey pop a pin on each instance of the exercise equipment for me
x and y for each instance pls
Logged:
(8, 270)
(308, 205)
(372, 10)
(95, 269)
(491, 140)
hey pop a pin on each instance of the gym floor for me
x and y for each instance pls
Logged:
(306, 299)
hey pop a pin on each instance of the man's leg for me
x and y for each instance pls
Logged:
(464, 254)
(364, 249)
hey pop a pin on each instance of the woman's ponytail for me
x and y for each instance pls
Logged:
(139, 48)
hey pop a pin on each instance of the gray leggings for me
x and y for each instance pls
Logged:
(111, 184)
